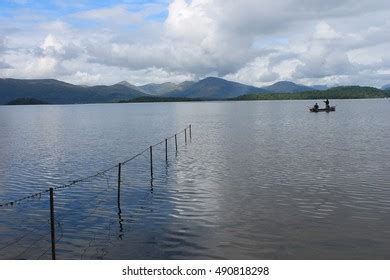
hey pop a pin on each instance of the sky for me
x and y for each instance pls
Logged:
(257, 42)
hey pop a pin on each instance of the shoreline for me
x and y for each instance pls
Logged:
(196, 101)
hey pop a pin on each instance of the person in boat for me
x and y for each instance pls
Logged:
(316, 107)
(327, 104)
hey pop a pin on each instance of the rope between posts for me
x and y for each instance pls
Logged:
(74, 182)
(134, 157)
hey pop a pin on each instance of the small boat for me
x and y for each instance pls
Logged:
(330, 109)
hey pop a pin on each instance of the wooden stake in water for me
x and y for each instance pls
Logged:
(166, 149)
(119, 181)
(185, 135)
(119, 174)
(190, 133)
(120, 220)
(151, 162)
(52, 225)
(176, 142)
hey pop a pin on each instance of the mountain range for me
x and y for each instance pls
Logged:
(58, 92)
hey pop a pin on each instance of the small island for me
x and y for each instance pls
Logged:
(27, 101)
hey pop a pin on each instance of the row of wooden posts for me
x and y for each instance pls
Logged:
(51, 190)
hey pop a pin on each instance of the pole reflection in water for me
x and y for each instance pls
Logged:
(151, 185)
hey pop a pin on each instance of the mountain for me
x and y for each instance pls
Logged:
(215, 88)
(186, 84)
(286, 86)
(386, 87)
(159, 89)
(131, 86)
(165, 88)
(57, 92)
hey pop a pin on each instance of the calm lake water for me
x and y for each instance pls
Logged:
(259, 180)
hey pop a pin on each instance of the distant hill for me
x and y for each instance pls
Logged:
(386, 87)
(286, 86)
(159, 89)
(346, 92)
(185, 85)
(131, 86)
(57, 92)
(215, 88)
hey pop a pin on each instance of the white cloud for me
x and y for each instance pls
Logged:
(52, 44)
(258, 70)
(324, 31)
(250, 41)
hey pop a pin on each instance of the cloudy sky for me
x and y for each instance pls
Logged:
(258, 42)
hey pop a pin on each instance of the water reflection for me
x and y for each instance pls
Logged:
(258, 180)
(120, 219)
